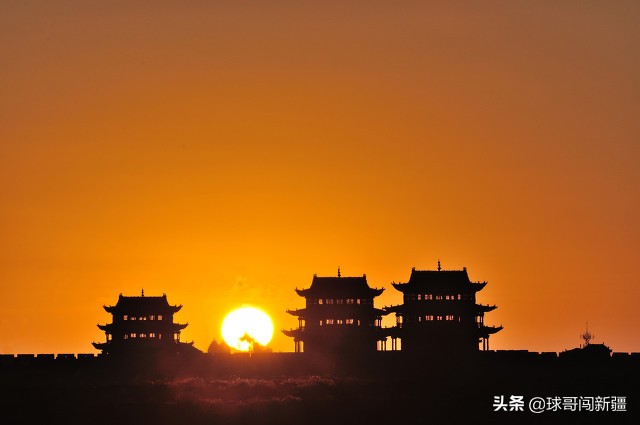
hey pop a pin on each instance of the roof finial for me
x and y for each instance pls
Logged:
(142, 293)
(338, 271)
(438, 265)
(587, 336)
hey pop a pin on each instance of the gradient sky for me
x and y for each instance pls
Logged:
(222, 152)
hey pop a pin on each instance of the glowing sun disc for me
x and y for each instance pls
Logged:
(244, 325)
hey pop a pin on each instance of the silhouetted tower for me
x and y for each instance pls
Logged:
(142, 323)
(339, 317)
(439, 313)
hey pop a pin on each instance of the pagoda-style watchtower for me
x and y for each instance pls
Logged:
(142, 324)
(439, 313)
(339, 317)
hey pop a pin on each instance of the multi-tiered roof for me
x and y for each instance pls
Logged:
(339, 316)
(439, 312)
(141, 323)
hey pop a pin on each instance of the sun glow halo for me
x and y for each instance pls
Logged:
(245, 325)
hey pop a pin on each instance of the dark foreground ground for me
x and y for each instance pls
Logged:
(290, 389)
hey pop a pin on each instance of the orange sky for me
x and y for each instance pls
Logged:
(222, 152)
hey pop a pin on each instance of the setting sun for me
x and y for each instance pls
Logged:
(246, 325)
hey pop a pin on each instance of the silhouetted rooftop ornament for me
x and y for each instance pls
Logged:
(439, 265)
(587, 336)
(338, 271)
(142, 293)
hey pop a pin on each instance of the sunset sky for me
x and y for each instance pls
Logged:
(222, 152)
